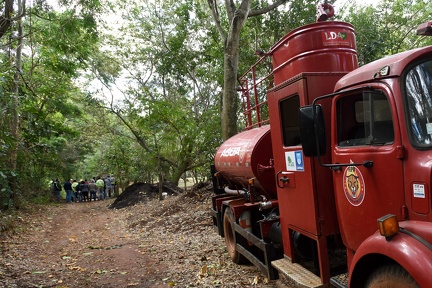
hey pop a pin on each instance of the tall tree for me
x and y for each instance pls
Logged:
(237, 15)
(16, 59)
(169, 83)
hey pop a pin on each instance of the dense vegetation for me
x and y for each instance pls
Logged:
(134, 88)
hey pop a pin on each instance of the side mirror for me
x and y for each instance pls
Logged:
(312, 131)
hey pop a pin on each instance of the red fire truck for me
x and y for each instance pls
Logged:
(330, 182)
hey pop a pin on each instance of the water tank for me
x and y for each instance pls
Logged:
(248, 155)
(318, 47)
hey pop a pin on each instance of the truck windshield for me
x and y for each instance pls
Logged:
(418, 89)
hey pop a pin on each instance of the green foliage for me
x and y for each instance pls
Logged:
(5, 190)
(388, 28)
(41, 199)
(166, 59)
(301, 12)
(173, 75)
(57, 45)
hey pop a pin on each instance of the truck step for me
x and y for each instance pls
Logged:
(340, 281)
(295, 272)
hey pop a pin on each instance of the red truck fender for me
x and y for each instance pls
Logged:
(415, 257)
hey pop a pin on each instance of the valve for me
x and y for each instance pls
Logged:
(324, 12)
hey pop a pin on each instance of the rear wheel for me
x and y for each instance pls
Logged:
(393, 276)
(230, 237)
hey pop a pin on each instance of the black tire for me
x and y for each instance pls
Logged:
(393, 276)
(230, 238)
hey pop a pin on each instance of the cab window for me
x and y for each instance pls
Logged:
(364, 119)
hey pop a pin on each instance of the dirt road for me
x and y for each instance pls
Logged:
(76, 245)
(154, 244)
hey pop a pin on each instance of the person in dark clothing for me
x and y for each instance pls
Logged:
(85, 190)
(78, 192)
(69, 192)
(56, 189)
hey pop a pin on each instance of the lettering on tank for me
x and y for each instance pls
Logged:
(232, 151)
(235, 151)
(331, 38)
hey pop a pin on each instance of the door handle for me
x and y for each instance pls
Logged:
(284, 179)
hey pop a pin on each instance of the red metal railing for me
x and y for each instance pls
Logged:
(254, 85)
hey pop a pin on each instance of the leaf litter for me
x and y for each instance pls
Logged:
(143, 242)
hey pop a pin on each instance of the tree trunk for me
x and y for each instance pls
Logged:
(229, 100)
(179, 171)
(6, 18)
(231, 38)
(161, 180)
(14, 125)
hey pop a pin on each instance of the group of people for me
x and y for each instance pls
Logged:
(83, 190)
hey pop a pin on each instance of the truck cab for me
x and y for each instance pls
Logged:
(381, 116)
(381, 164)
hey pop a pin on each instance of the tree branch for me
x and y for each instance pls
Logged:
(230, 7)
(216, 16)
(237, 23)
(266, 9)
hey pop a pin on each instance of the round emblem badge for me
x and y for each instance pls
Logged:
(353, 185)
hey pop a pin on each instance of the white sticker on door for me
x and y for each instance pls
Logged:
(294, 161)
(419, 191)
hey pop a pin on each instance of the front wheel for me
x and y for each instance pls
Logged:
(230, 238)
(393, 276)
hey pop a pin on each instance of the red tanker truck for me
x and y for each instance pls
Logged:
(330, 182)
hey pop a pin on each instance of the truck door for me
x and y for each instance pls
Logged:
(304, 188)
(366, 129)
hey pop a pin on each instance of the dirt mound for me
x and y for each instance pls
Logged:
(143, 192)
(200, 192)
(192, 198)
(202, 188)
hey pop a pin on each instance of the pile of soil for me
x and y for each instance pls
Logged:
(142, 192)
